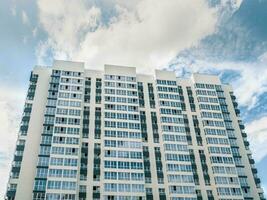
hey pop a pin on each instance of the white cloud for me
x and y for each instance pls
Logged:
(25, 40)
(35, 31)
(263, 57)
(147, 36)
(65, 23)
(250, 84)
(42, 51)
(11, 104)
(144, 33)
(127, 4)
(13, 11)
(248, 87)
(257, 135)
(234, 3)
(264, 187)
(25, 18)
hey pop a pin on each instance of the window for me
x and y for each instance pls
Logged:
(110, 187)
(45, 150)
(111, 175)
(41, 172)
(56, 161)
(43, 161)
(70, 162)
(39, 185)
(68, 185)
(46, 140)
(52, 196)
(54, 184)
(55, 172)
(70, 173)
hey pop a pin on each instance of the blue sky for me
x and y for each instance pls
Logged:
(224, 37)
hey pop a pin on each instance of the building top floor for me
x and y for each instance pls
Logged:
(131, 71)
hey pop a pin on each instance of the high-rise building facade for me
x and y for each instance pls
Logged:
(118, 135)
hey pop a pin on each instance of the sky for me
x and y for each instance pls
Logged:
(223, 37)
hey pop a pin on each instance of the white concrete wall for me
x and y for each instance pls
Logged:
(30, 155)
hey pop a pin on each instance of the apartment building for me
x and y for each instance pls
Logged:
(118, 135)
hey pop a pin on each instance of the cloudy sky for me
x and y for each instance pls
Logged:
(224, 37)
